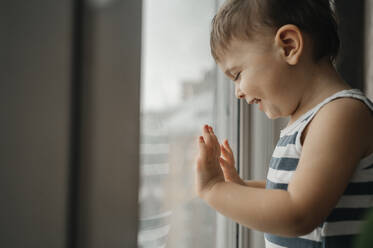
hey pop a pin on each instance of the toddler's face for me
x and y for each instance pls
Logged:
(258, 72)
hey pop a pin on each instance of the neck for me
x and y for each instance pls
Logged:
(319, 81)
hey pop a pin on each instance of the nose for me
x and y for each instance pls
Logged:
(238, 92)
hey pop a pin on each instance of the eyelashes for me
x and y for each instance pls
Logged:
(238, 75)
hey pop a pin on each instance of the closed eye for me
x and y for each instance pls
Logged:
(238, 75)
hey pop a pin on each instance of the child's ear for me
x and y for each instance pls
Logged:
(289, 41)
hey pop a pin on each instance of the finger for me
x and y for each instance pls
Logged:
(229, 149)
(228, 168)
(201, 141)
(227, 146)
(202, 146)
(214, 136)
(211, 132)
(215, 140)
(206, 135)
(224, 163)
(227, 154)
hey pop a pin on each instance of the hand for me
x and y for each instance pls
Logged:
(227, 164)
(208, 170)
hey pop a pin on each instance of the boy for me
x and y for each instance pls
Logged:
(280, 54)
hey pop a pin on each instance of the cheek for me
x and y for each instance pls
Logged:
(252, 81)
(268, 76)
(276, 82)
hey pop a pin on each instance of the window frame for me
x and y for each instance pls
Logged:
(226, 127)
(257, 139)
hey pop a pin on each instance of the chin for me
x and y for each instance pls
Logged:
(272, 116)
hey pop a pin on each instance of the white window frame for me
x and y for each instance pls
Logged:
(257, 138)
(227, 127)
(226, 117)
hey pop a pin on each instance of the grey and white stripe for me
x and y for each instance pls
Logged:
(343, 224)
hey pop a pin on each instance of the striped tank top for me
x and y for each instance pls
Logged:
(342, 225)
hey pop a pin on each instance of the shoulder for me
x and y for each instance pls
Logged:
(346, 116)
(348, 105)
(343, 125)
(350, 109)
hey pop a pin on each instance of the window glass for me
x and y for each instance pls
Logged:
(177, 99)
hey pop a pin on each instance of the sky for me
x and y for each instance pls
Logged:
(175, 47)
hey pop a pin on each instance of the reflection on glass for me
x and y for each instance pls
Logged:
(178, 80)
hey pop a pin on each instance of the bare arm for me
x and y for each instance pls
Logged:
(260, 209)
(256, 184)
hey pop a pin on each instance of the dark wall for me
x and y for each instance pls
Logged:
(35, 93)
(69, 116)
(352, 30)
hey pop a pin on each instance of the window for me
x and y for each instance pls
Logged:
(180, 86)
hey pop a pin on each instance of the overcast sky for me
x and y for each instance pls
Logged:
(175, 48)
